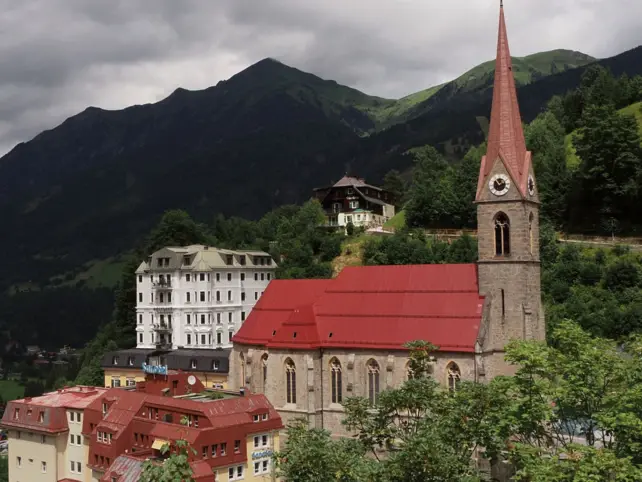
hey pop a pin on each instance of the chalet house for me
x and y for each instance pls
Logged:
(352, 200)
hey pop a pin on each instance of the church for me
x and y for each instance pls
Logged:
(310, 344)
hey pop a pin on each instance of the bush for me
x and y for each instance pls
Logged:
(620, 275)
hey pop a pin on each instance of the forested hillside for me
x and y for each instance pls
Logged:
(78, 200)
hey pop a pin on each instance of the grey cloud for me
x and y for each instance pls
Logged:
(59, 56)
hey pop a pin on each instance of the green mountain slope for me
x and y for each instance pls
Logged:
(477, 80)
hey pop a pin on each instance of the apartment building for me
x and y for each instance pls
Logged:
(45, 437)
(197, 297)
(234, 437)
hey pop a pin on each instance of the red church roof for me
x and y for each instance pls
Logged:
(380, 307)
(505, 135)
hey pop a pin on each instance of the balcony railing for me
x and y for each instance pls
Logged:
(163, 345)
(162, 285)
(162, 327)
(163, 309)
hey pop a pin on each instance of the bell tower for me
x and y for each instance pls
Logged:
(507, 224)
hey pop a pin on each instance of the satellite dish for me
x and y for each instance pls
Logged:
(191, 380)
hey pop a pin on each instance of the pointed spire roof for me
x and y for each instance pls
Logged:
(505, 135)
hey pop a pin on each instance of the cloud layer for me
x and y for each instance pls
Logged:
(60, 56)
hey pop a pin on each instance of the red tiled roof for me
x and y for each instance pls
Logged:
(505, 135)
(371, 307)
(125, 468)
(26, 413)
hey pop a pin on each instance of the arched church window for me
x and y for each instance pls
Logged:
(373, 382)
(264, 360)
(336, 381)
(290, 381)
(530, 231)
(502, 235)
(454, 375)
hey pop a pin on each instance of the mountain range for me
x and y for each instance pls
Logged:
(89, 188)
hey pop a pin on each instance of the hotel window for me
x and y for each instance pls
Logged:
(218, 318)
(237, 446)
(229, 336)
(229, 317)
(140, 319)
(192, 363)
(268, 276)
(264, 416)
(229, 276)
(373, 382)
(187, 277)
(189, 319)
(115, 382)
(187, 297)
(202, 319)
(202, 295)
(242, 276)
(256, 295)
(204, 451)
(140, 297)
(242, 315)
(140, 278)
(214, 450)
(336, 381)
(218, 338)
(218, 276)
(202, 276)
(290, 381)
(229, 295)
(203, 340)
(223, 448)
(256, 276)
(262, 276)
(130, 382)
(256, 418)
(243, 296)
(189, 339)
(209, 296)
(218, 296)
(140, 338)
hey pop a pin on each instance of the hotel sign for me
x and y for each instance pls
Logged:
(155, 369)
(262, 453)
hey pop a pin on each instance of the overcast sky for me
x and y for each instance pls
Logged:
(59, 56)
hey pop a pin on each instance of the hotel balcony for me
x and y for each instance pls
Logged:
(162, 327)
(163, 308)
(162, 285)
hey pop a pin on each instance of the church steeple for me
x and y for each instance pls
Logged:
(508, 267)
(505, 135)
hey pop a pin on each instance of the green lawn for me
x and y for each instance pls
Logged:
(11, 390)
(398, 221)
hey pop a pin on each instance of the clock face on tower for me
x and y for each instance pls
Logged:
(531, 185)
(499, 184)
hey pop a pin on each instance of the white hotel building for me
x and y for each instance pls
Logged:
(197, 296)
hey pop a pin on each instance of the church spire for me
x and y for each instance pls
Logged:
(505, 135)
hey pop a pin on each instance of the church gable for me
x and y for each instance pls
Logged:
(499, 184)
